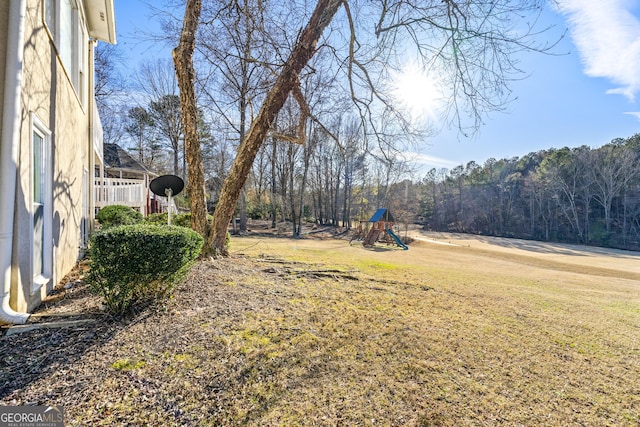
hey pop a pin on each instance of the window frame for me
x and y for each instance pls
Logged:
(72, 53)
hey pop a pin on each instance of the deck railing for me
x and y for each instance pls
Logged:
(119, 191)
(127, 192)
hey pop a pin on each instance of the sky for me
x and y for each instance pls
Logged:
(587, 93)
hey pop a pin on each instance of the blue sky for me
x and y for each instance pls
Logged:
(588, 94)
(569, 99)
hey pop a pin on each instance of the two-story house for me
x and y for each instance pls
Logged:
(51, 142)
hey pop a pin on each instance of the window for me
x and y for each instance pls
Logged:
(50, 16)
(84, 221)
(41, 207)
(64, 21)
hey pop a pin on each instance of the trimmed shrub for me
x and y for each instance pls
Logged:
(156, 218)
(183, 219)
(111, 216)
(138, 264)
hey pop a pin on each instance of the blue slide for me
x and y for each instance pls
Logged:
(397, 239)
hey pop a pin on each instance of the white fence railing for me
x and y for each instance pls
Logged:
(128, 192)
(119, 191)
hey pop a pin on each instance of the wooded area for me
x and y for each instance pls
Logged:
(332, 149)
(575, 195)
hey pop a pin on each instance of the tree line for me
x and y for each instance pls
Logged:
(576, 195)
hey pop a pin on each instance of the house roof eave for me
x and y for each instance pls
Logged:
(131, 171)
(101, 21)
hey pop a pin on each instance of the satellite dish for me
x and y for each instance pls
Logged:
(167, 186)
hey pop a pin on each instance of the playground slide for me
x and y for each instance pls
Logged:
(397, 239)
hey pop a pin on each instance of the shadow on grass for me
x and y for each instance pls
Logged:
(382, 248)
(542, 247)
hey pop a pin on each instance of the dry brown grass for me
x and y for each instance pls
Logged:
(317, 332)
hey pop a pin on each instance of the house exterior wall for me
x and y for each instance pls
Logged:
(49, 98)
(4, 24)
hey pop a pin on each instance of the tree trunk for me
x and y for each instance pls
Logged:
(308, 148)
(183, 60)
(176, 160)
(303, 51)
(274, 206)
(242, 226)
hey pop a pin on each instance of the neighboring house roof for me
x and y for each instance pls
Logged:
(117, 158)
(382, 214)
(101, 20)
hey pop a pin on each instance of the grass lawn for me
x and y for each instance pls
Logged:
(318, 332)
(449, 335)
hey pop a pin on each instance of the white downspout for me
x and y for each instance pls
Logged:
(9, 154)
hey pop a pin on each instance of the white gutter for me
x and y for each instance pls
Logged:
(9, 154)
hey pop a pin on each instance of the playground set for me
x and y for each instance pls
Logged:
(382, 222)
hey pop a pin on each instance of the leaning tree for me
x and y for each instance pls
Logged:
(471, 46)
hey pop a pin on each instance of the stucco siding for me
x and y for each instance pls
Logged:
(4, 24)
(48, 96)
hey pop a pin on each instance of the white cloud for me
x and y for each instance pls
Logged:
(636, 114)
(607, 36)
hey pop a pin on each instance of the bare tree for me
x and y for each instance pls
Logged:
(563, 171)
(158, 85)
(260, 176)
(140, 127)
(167, 120)
(470, 44)
(287, 79)
(353, 158)
(611, 168)
(233, 48)
(110, 90)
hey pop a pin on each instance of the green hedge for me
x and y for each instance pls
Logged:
(182, 219)
(138, 264)
(157, 218)
(114, 215)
